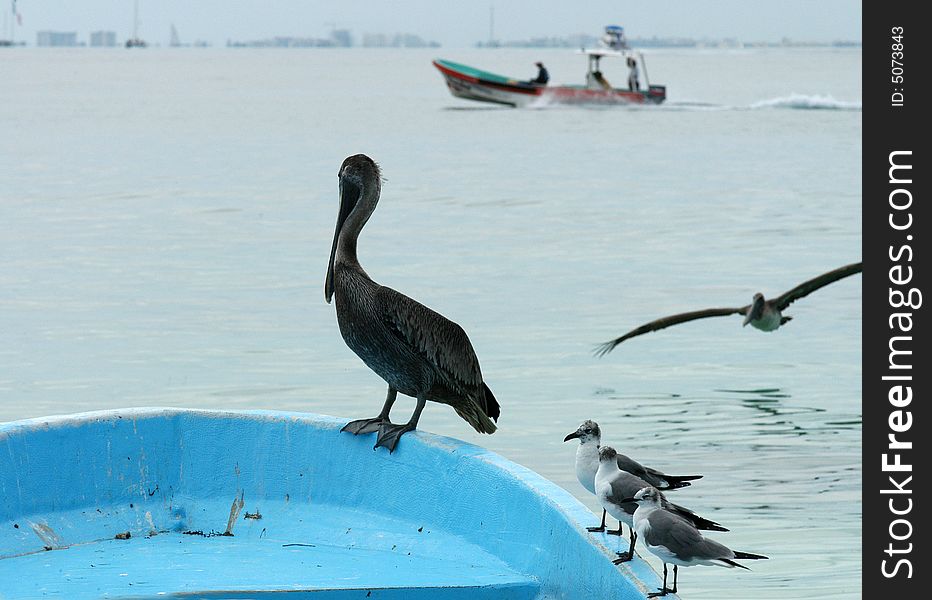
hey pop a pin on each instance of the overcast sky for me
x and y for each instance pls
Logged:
(453, 23)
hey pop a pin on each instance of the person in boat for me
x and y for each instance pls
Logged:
(601, 81)
(633, 84)
(542, 75)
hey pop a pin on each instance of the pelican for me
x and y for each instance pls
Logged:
(417, 351)
(766, 315)
(675, 541)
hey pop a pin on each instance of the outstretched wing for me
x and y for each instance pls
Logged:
(431, 335)
(665, 322)
(807, 287)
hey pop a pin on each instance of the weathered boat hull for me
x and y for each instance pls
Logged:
(171, 503)
(474, 84)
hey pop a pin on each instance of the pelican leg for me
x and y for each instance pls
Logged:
(373, 425)
(600, 527)
(626, 556)
(389, 434)
(663, 591)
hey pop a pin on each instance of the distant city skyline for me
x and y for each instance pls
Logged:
(452, 24)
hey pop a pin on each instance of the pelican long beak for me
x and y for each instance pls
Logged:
(755, 312)
(349, 196)
(572, 436)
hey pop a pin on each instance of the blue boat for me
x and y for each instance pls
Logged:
(176, 503)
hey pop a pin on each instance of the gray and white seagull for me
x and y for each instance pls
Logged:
(675, 541)
(766, 315)
(587, 464)
(614, 488)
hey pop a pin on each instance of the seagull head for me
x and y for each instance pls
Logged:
(607, 454)
(646, 495)
(587, 432)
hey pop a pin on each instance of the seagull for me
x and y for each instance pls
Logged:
(766, 315)
(587, 464)
(614, 489)
(417, 351)
(673, 540)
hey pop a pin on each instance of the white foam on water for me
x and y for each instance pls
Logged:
(807, 102)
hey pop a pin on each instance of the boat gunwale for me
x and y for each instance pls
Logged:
(540, 496)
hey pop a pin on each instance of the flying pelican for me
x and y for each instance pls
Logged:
(614, 489)
(587, 465)
(675, 541)
(417, 351)
(766, 315)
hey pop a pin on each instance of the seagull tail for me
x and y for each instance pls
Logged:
(706, 524)
(675, 482)
(748, 555)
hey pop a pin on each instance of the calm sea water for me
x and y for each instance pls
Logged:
(167, 217)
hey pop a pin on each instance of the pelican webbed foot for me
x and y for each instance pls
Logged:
(364, 425)
(389, 434)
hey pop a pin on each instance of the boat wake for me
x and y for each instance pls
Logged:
(792, 102)
(806, 102)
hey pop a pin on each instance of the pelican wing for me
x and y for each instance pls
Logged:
(665, 322)
(428, 333)
(807, 287)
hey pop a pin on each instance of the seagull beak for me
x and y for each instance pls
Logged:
(349, 196)
(627, 500)
(572, 436)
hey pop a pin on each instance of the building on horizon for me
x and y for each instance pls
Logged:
(398, 40)
(56, 38)
(341, 38)
(103, 38)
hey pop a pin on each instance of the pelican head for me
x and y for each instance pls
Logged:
(360, 185)
(607, 454)
(756, 311)
(587, 432)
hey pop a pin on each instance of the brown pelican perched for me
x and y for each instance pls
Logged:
(417, 351)
(766, 315)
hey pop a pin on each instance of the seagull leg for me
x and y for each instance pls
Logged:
(663, 591)
(371, 425)
(675, 569)
(389, 434)
(626, 556)
(600, 527)
(619, 531)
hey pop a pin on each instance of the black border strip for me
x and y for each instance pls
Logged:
(896, 368)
